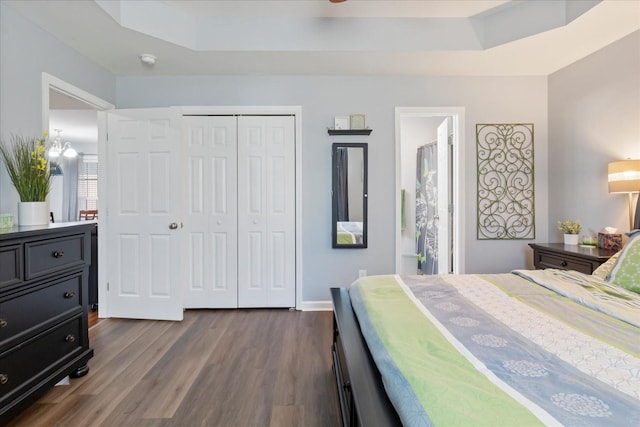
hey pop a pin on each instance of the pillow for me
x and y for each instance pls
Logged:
(626, 271)
(605, 268)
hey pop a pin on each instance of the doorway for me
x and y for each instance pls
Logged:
(417, 132)
(75, 113)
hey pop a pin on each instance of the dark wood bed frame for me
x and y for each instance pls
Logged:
(361, 394)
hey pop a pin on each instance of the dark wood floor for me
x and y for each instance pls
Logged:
(216, 368)
(93, 318)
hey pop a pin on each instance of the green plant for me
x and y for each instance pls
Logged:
(27, 166)
(569, 226)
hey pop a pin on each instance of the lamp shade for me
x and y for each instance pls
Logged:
(624, 176)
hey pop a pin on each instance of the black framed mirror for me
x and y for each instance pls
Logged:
(349, 195)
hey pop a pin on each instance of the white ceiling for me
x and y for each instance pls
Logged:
(357, 37)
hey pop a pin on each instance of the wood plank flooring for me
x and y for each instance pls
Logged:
(93, 318)
(226, 368)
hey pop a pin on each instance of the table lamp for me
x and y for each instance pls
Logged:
(624, 177)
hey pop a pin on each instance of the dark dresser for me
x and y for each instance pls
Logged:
(44, 336)
(569, 257)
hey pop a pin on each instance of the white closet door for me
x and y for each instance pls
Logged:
(143, 214)
(266, 211)
(210, 201)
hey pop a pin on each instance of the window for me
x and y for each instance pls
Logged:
(88, 183)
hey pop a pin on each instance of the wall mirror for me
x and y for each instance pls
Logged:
(349, 195)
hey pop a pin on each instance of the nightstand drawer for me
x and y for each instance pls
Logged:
(45, 304)
(569, 257)
(23, 364)
(547, 260)
(48, 256)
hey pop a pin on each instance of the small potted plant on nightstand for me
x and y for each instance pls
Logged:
(571, 230)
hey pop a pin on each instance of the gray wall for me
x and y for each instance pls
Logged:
(25, 52)
(594, 118)
(593, 112)
(487, 100)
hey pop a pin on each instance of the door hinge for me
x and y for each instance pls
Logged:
(107, 286)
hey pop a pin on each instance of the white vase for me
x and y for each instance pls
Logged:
(571, 239)
(33, 213)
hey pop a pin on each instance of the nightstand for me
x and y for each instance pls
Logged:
(569, 257)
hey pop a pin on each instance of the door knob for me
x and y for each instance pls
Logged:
(173, 225)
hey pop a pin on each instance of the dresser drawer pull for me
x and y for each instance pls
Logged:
(69, 295)
(70, 338)
(58, 254)
(4, 378)
(564, 263)
(3, 323)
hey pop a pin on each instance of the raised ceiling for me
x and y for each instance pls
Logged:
(356, 37)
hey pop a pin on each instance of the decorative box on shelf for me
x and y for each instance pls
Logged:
(353, 124)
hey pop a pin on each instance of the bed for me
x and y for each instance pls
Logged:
(529, 347)
(349, 232)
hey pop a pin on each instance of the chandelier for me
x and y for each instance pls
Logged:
(58, 149)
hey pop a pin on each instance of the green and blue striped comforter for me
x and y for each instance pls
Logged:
(500, 350)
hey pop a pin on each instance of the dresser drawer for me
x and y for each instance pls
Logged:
(551, 260)
(45, 304)
(27, 363)
(10, 264)
(48, 256)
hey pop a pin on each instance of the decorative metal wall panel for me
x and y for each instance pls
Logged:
(505, 181)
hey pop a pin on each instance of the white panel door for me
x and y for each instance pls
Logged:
(210, 204)
(266, 211)
(143, 217)
(444, 185)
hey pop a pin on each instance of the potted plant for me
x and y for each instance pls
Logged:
(28, 168)
(571, 230)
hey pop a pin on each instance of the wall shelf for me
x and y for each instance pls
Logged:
(349, 131)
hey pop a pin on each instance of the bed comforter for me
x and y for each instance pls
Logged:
(518, 349)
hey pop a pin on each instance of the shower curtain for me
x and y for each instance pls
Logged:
(426, 205)
(342, 164)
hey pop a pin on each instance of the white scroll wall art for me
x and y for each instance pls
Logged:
(505, 181)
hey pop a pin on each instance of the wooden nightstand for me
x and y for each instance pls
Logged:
(569, 257)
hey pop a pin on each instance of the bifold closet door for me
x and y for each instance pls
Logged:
(210, 203)
(239, 201)
(266, 211)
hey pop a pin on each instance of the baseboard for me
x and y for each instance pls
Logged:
(317, 306)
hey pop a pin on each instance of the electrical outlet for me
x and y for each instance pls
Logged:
(362, 273)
